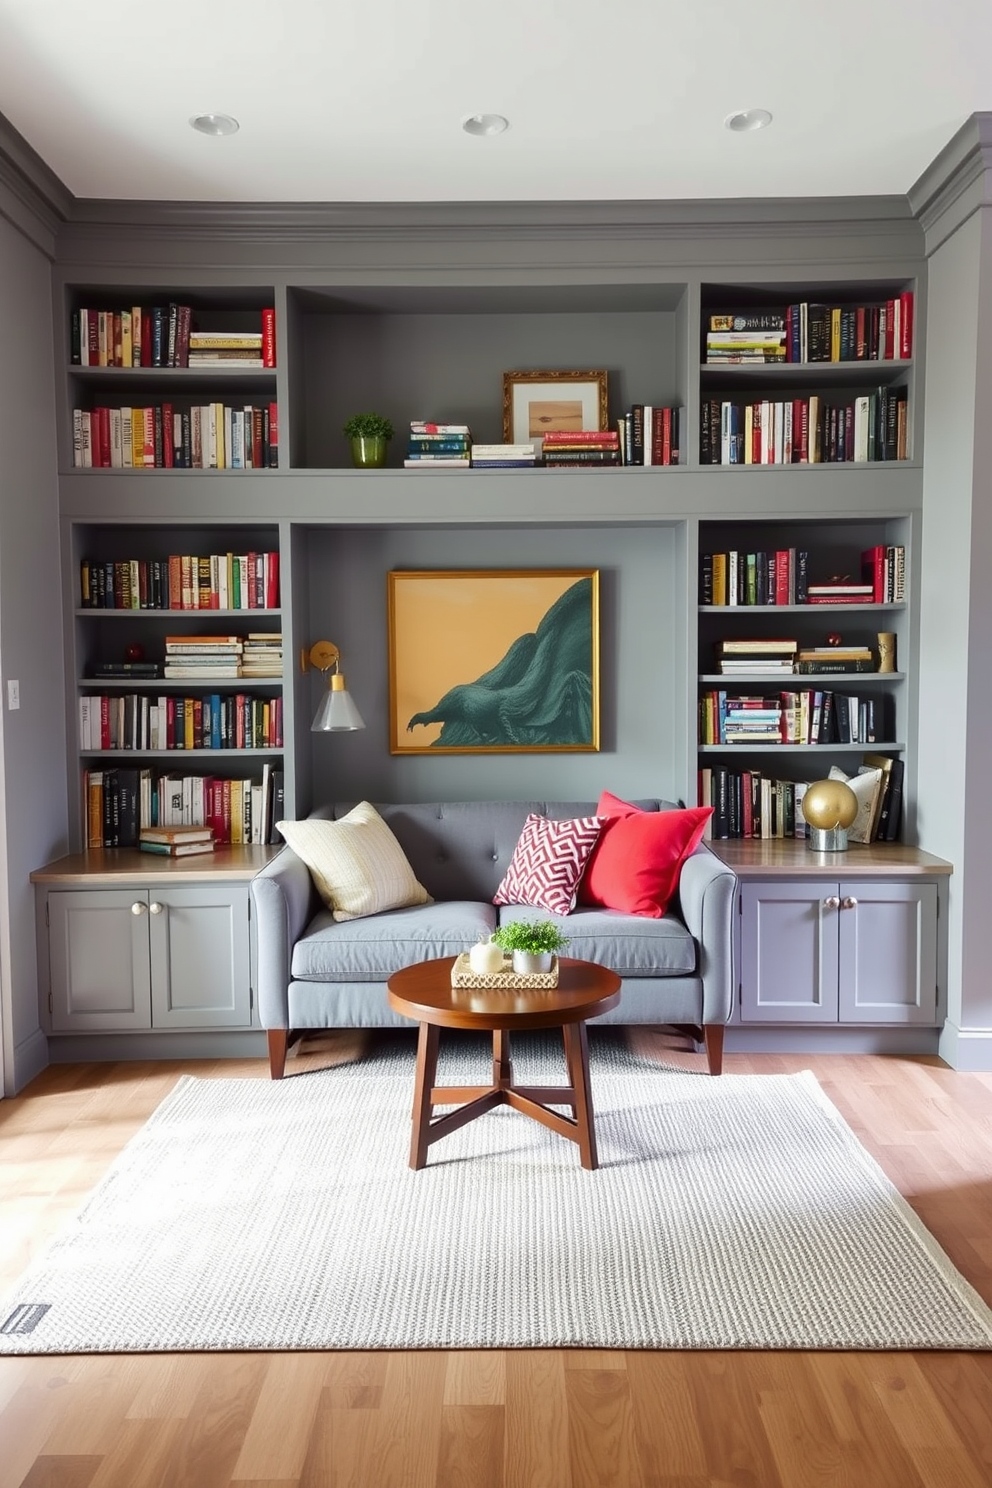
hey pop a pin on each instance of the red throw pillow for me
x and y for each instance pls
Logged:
(636, 863)
(547, 863)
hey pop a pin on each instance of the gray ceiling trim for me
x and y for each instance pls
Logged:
(957, 182)
(34, 198)
(305, 218)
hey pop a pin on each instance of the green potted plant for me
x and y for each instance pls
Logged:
(532, 944)
(369, 433)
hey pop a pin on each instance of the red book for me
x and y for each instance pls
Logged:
(906, 324)
(256, 439)
(873, 571)
(183, 319)
(583, 436)
(168, 447)
(273, 435)
(782, 577)
(146, 339)
(666, 436)
(268, 337)
(272, 581)
(889, 350)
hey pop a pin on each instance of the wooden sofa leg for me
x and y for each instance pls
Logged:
(713, 1039)
(278, 1047)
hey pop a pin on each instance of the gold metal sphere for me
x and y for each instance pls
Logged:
(830, 803)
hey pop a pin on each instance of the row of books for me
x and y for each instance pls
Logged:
(809, 332)
(182, 581)
(805, 431)
(751, 803)
(741, 658)
(781, 577)
(109, 721)
(209, 436)
(164, 336)
(650, 435)
(201, 658)
(806, 716)
(119, 802)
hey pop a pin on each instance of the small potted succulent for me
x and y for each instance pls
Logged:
(532, 944)
(369, 434)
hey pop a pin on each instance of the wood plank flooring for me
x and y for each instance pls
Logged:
(515, 1419)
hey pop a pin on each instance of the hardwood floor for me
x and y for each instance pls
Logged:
(515, 1419)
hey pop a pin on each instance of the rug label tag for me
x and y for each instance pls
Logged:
(25, 1318)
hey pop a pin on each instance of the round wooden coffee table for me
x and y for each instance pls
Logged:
(424, 992)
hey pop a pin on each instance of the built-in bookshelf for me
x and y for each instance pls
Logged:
(177, 704)
(823, 700)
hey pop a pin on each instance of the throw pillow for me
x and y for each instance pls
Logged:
(548, 862)
(636, 863)
(356, 863)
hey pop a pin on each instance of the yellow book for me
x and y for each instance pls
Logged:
(189, 741)
(127, 350)
(719, 578)
(237, 812)
(835, 335)
(137, 438)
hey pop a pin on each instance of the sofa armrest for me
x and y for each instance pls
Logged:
(285, 901)
(707, 892)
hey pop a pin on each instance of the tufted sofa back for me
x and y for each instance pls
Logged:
(461, 849)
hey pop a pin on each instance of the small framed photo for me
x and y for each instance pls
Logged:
(494, 661)
(537, 403)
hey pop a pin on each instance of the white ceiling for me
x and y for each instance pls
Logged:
(364, 102)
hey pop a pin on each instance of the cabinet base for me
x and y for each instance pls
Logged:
(747, 1038)
(105, 1047)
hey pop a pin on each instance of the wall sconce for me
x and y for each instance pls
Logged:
(336, 711)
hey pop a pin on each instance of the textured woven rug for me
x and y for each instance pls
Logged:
(738, 1212)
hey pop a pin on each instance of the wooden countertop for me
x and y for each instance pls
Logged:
(789, 857)
(108, 867)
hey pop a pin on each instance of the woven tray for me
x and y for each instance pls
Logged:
(462, 975)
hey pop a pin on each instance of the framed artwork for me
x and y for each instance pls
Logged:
(494, 661)
(535, 403)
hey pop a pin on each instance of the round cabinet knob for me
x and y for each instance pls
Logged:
(155, 907)
(850, 903)
(137, 908)
(832, 903)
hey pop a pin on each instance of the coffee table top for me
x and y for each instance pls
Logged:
(424, 992)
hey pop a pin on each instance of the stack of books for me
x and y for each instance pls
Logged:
(582, 447)
(176, 842)
(438, 446)
(758, 336)
(743, 657)
(824, 660)
(261, 655)
(840, 591)
(203, 657)
(503, 456)
(225, 349)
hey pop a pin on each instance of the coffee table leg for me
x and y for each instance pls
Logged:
(577, 1059)
(502, 1068)
(427, 1047)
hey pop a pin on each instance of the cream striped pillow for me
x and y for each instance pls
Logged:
(356, 863)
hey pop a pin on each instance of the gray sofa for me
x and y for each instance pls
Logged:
(316, 973)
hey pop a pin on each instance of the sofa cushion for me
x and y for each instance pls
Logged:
(630, 945)
(548, 862)
(636, 863)
(356, 863)
(370, 949)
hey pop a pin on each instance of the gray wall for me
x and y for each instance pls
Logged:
(640, 610)
(954, 804)
(32, 775)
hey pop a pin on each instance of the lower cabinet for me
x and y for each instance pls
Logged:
(151, 957)
(825, 950)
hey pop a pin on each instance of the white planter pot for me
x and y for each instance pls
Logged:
(527, 963)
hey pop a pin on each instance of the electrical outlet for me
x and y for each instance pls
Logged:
(13, 695)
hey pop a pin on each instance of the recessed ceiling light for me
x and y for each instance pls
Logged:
(485, 124)
(214, 124)
(748, 119)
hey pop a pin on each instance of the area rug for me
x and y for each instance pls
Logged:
(738, 1212)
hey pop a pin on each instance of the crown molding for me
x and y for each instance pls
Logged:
(31, 195)
(957, 182)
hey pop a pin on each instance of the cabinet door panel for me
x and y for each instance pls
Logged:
(199, 956)
(99, 960)
(888, 951)
(789, 952)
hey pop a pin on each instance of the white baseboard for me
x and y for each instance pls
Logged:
(795, 1040)
(967, 1049)
(30, 1058)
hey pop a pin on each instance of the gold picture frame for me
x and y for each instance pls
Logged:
(536, 403)
(494, 661)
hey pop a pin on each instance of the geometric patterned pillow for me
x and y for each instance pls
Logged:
(548, 862)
